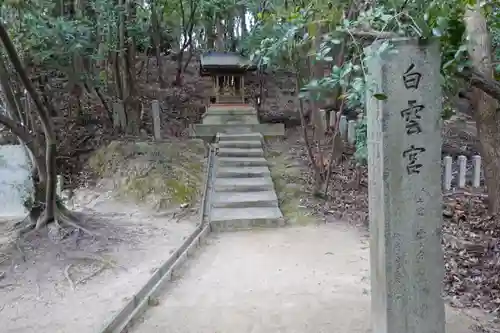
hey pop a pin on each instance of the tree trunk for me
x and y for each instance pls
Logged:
(219, 41)
(178, 74)
(486, 116)
(243, 19)
(133, 109)
(230, 37)
(125, 69)
(209, 30)
(121, 58)
(317, 167)
(317, 73)
(157, 40)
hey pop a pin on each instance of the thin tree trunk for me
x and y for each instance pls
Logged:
(157, 40)
(317, 73)
(133, 104)
(486, 115)
(209, 30)
(178, 73)
(243, 18)
(219, 42)
(315, 166)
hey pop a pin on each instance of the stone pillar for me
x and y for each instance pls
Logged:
(322, 117)
(59, 185)
(119, 116)
(351, 132)
(242, 89)
(155, 110)
(462, 170)
(447, 176)
(343, 127)
(404, 154)
(218, 89)
(476, 173)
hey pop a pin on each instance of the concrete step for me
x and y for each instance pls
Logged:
(245, 199)
(238, 122)
(243, 172)
(242, 161)
(223, 219)
(243, 184)
(209, 119)
(231, 99)
(239, 137)
(240, 144)
(231, 109)
(208, 131)
(240, 152)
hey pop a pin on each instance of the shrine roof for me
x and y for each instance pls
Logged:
(212, 63)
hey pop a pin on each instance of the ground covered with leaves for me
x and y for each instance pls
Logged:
(471, 238)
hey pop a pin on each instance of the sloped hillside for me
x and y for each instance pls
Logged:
(180, 107)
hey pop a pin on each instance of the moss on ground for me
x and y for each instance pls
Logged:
(161, 174)
(289, 184)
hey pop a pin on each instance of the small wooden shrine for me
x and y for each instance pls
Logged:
(227, 70)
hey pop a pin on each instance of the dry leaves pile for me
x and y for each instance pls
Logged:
(472, 254)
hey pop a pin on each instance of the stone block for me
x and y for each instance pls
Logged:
(404, 154)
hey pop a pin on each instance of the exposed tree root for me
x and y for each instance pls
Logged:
(72, 220)
(63, 217)
(68, 277)
(8, 285)
(18, 246)
(79, 255)
(91, 275)
(85, 256)
(4, 260)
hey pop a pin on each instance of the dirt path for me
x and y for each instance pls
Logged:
(303, 279)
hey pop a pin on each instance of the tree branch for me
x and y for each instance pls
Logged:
(16, 62)
(18, 130)
(183, 17)
(373, 34)
(28, 139)
(478, 80)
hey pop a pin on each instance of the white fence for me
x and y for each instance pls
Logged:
(463, 174)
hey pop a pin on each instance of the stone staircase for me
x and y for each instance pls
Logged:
(243, 191)
(230, 99)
